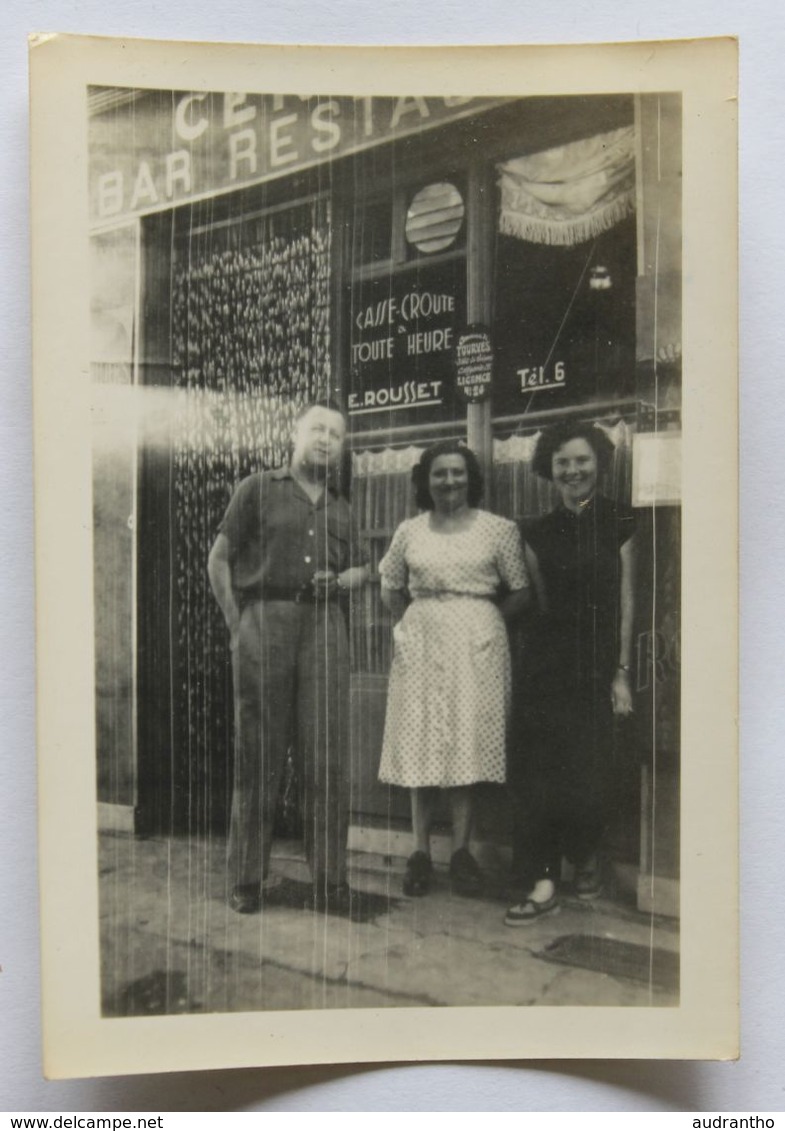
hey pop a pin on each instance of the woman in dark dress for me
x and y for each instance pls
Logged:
(574, 672)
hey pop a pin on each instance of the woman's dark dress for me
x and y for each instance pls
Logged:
(561, 765)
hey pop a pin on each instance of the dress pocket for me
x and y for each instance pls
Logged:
(489, 632)
(401, 642)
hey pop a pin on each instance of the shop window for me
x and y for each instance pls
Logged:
(564, 321)
(404, 312)
(435, 218)
(565, 274)
(371, 234)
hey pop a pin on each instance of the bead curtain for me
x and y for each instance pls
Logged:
(251, 346)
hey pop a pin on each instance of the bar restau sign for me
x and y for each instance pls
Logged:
(151, 150)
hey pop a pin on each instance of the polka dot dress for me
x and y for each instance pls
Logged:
(450, 678)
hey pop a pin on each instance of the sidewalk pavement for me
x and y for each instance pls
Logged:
(170, 943)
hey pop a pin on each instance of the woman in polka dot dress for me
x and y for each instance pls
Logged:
(451, 577)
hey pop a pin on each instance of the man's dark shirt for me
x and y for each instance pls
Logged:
(278, 538)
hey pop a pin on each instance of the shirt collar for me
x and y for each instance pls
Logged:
(588, 507)
(285, 472)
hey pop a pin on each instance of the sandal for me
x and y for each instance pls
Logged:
(465, 873)
(419, 869)
(521, 914)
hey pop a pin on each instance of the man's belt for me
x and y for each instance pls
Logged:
(305, 595)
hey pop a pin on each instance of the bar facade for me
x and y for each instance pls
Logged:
(462, 267)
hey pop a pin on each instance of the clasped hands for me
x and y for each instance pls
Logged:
(324, 585)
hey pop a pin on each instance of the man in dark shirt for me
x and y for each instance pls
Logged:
(284, 553)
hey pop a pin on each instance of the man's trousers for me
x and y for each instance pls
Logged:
(291, 690)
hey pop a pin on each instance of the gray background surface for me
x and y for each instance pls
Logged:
(755, 1083)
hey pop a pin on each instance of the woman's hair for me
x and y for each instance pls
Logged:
(557, 435)
(421, 472)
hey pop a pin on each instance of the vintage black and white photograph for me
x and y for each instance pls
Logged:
(385, 506)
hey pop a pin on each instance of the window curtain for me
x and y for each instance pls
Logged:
(382, 497)
(571, 193)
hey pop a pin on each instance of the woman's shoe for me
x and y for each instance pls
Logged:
(588, 879)
(521, 914)
(419, 870)
(465, 873)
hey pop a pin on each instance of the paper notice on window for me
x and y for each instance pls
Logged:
(656, 469)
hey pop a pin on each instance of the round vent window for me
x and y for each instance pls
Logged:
(435, 217)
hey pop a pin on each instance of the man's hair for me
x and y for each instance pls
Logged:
(321, 402)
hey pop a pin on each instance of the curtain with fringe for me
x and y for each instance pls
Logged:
(569, 194)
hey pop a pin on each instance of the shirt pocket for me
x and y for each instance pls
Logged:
(338, 538)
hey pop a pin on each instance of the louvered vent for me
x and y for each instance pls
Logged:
(435, 217)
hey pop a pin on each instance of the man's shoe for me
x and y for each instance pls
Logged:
(335, 899)
(246, 899)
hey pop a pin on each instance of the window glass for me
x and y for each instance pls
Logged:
(372, 234)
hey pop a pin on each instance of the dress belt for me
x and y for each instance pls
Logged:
(448, 593)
